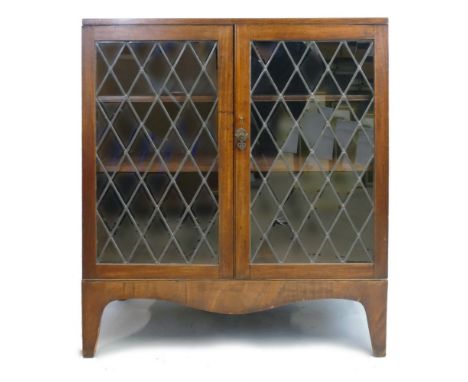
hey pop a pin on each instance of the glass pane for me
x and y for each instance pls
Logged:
(156, 152)
(312, 151)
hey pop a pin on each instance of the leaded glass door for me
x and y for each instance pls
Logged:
(306, 169)
(162, 151)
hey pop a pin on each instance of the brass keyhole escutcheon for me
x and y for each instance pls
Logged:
(241, 135)
(241, 138)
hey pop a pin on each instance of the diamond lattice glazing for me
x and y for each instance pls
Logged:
(312, 151)
(156, 152)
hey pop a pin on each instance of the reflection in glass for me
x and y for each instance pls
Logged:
(156, 152)
(312, 151)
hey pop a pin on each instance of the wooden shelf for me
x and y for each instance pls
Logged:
(306, 97)
(255, 98)
(291, 162)
(151, 98)
(172, 164)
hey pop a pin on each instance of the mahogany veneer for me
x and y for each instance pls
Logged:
(234, 284)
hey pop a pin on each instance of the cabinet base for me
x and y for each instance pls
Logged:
(235, 297)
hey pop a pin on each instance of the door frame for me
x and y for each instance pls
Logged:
(224, 36)
(244, 34)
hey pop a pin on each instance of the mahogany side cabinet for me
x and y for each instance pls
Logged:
(235, 165)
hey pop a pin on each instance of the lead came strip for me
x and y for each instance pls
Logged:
(127, 143)
(317, 70)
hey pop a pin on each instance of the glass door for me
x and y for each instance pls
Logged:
(161, 150)
(306, 108)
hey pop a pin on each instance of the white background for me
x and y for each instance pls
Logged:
(40, 194)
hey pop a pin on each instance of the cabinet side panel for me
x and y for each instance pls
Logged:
(88, 153)
(381, 152)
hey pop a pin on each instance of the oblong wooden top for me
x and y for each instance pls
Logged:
(344, 21)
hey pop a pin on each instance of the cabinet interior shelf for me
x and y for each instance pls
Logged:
(290, 162)
(306, 97)
(255, 98)
(151, 98)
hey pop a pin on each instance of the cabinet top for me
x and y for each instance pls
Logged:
(344, 21)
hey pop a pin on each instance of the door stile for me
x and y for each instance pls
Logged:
(225, 153)
(242, 157)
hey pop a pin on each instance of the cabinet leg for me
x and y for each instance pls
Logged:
(375, 305)
(222, 296)
(93, 304)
